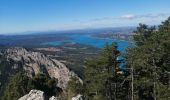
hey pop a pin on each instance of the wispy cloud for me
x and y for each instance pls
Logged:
(129, 17)
(158, 15)
(122, 20)
(147, 16)
(153, 15)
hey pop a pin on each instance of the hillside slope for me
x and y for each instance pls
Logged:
(32, 63)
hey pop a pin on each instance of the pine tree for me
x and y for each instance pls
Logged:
(101, 75)
(150, 59)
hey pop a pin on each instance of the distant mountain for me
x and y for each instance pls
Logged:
(86, 30)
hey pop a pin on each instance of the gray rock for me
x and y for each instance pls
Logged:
(33, 95)
(36, 62)
(78, 97)
(53, 98)
(36, 95)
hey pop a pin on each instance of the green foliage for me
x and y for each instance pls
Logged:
(6, 71)
(150, 59)
(17, 87)
(20, 84)
(143, 33)
(45, 83)
(98, 71)
(74, 87)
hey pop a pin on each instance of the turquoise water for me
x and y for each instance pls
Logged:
(89, 40)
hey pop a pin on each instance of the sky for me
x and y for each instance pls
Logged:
(48, 15)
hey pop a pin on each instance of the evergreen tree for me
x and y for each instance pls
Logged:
(150, 59)
(46, 84)
(74, 87)
(20, 84)
(17, 87)
(101, 73)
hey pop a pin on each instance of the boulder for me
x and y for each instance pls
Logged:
(33, 95)
(78, 97)
(53, 98)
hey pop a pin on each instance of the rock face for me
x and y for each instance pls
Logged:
(39, 95)
(53, 98)
(35, 62)
(78, 97)
(36, 95)
(33, 95)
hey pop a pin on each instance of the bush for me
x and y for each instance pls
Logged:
(20, 84)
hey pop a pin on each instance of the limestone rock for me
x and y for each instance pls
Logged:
(53, 98)
(36, 95)
(36, 62)
(78, 97)
(33, 95)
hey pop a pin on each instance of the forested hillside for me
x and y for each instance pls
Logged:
(150, 59)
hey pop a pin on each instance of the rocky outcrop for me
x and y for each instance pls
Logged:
(33, 95)
(35, 62)
(78, 97)
(36, 95)
(53, 98)
(39, 95)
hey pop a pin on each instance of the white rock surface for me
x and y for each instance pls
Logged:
(78, 97)
(33, 95)
(35, 62)
(53, 98)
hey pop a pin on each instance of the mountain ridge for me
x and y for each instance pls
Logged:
(36, 62)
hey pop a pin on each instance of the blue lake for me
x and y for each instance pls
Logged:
(90, 40)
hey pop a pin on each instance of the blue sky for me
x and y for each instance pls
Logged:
(47, 15)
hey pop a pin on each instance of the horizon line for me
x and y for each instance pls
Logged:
(62, 30)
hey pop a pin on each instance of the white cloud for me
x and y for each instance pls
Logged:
(149, 16)
(128, 17)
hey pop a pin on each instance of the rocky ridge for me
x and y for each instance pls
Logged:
(36, 62)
